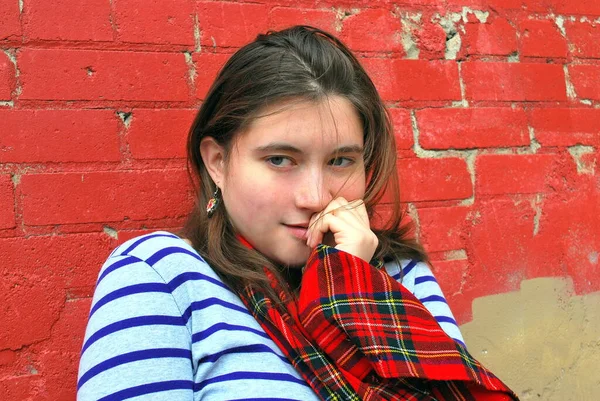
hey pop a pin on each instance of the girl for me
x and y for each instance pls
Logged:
(279, 287)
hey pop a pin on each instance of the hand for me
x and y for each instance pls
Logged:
(349, 224)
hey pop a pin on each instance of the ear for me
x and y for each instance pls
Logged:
(213, 156)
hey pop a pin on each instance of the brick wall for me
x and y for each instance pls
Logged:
(496, 105)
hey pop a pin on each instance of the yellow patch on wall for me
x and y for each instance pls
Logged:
(542, 341)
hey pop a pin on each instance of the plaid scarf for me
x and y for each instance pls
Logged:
(354, 333)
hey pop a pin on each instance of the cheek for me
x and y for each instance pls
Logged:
(354, 188)
(252, 198)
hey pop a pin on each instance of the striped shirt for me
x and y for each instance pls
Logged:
(163, 326)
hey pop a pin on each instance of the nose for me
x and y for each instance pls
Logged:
(312, 192)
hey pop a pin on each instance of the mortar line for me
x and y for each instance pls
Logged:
(191, 71)
(534, 145)
(197, 46)
(536, 206)
(571, 92)
(112, 21)
(463, 96)
(12, 56)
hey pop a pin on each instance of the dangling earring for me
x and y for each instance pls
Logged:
(213, 203)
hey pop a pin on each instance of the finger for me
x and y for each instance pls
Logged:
(334, 205)
(361, 209)
(354, 213)
(316, 219)
(320, 228)
(342, 230)
(311, 225)
(358, 208)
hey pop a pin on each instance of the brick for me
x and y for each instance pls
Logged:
(159, 134)
(530, 5)
(58, 74)
(443, 228)
(402, 128)
(568, 236)
(541, 38)
(434, 179)
(7, 357)
(497, 37)
(354, 3)
(7, 202)
(414, 79)
(372, 29)
(584, 7)
(586, 81)
(66, 261)
(7, 77)
(513, 174)
(9, 15)
(472, 128)
(7, 213)
(431, 41)
(566, 126)
(228, 24)
(68, 331)
(584, 38)
(367, 3)
(30, 306)
(22, 388)
(499, 243)
(514, 81)
(35, 272)
(208, 66)
(283, 17)
(104, 196)
(60, 371)
(59, 136)
(68, 20)
(156, 21)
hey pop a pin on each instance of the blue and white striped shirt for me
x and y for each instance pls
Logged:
(163, 326)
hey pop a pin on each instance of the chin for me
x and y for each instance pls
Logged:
(294, 258)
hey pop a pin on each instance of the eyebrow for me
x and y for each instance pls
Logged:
(284, 147)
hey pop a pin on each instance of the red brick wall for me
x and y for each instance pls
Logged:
(496, 105)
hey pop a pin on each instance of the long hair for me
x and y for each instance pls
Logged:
(303, 63)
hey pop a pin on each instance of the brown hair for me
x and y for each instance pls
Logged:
(305, 63)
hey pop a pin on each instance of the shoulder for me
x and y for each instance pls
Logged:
(407, 271)
(153, 246)
(167, 258)
(164, 252)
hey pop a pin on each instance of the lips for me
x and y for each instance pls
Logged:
(301, 225)
(298, 230)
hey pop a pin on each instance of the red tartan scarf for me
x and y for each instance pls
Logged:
(354, 333)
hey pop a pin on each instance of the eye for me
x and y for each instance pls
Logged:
(341, 162)
(279, 161)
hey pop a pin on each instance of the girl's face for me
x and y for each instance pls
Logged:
(287, 166)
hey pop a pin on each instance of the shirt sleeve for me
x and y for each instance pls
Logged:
(136, 343)
(428, 291)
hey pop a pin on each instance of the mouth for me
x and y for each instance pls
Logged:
(299, 231)
(300, 225)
